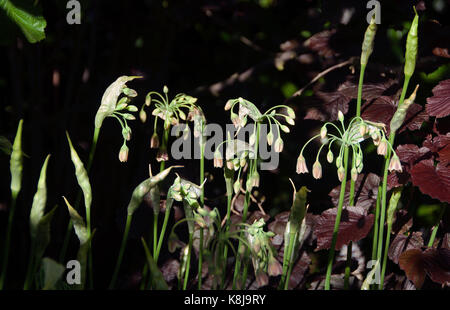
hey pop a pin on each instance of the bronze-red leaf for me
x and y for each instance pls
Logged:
(439, 104)
(431, 180)
(355, 225)
(366, 189)
(402, 243)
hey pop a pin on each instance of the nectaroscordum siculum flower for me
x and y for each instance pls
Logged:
(356, 132)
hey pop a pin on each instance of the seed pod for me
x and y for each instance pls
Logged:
(16, 162)
(368, 42)
(400, 114)
(81, 174)
(412, 43)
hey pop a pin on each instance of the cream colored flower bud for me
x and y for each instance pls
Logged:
(317, 170)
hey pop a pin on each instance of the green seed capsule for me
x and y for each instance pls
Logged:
(412, 43)
(369, 38)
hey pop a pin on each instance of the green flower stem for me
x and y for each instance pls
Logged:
(161, 235)
(200, 260)
(30, 268)
(8, 240)
(155, 233)
(348, 265)
(121, 251)
(383, 203)
(436, 227)
(385, 254)
(360, 84)
(375, 224)
(188, 264)
(385, 175)
(337, 222)
(284, 282)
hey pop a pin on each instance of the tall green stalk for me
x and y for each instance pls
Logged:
(436, 227)
(112, 284)
(16, 168)
(337, 222)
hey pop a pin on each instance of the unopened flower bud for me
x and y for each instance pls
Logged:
(338, 161)
(230, 164)
(154, 141)
(323, 132)
(229, 104)
(382, 147)
(290, 112)
(123, 154)
(270, 138)
(354, 174)
(285, 128)
(340, 116)
(236, 187)
(165, 89)
(301, 165)
(341, 173)
(218, 161)
(126, 133)
(252, 139)
(255, 179)
(278, 145)
(330, 156)
(143, 115)
(362, 129)
(317, 170)
(290, 121)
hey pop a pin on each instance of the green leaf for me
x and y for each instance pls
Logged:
(52, 272)
(156, 276)
(82, 175)
(43, 234)
(31, 24)
(5, 145)
(16, 162)
(39, 201)
(83, 235)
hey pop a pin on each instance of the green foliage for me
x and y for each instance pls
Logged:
(27, 18)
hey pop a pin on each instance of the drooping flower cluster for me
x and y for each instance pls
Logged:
(180, 108)
(112, 106)
(262, 252)
(356, 132)
(248, 110)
